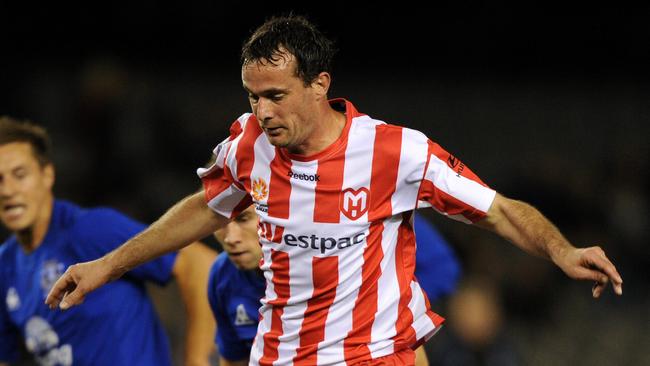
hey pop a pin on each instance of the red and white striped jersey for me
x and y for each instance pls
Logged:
(337, 235)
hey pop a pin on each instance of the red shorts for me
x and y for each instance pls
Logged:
(405, 357)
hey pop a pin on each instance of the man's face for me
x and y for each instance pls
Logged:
(283, 105)
(25, 187)
(240, 241)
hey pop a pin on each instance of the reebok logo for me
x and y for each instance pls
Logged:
(323, 244)
(306, 177)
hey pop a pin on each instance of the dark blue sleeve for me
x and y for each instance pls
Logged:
(228, 342)
(9, 335)
(437, 268)
(101, 230)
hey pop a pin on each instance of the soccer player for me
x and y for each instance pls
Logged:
(335, 191)
(117, 325)
(236, 284)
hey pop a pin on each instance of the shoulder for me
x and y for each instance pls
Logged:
(101, 223)
(366, 124)
(103, 216)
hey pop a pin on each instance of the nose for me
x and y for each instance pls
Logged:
(233, 235)
(264, 109)
(7, 187)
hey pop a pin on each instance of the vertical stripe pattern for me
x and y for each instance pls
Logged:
(337, 235)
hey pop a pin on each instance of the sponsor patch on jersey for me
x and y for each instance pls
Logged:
(259, 189)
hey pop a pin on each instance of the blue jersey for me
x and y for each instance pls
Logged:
(116, 324)
(234, 294)
(436, 267)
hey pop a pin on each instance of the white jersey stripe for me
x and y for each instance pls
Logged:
(410, 172)
(466, 190)
(383, 329)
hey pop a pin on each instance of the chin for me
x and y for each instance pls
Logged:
(278, 142)
(15, 227)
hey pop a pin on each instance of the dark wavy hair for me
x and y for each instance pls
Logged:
(293, 34)
(14, 130)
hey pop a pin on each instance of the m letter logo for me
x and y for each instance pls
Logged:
(354, 203)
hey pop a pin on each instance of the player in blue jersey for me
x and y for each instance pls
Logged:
(116, 325)
(236, 283)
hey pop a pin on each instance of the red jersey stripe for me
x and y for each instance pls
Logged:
(405, 268)
(385, 165)
(277, 234)
(280, 268)
(235, 130)
(328, 189)
(356, 343)
(246, 152)
(325, 279)
(216, 182)
(279, 187)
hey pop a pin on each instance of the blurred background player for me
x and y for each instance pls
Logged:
(116, 325)
(477, 333)
(236, 283)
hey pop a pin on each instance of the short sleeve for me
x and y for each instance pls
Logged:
(451, 188)
(101, 230)
(223, 193)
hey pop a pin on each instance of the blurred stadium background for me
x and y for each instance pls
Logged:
(547, 104)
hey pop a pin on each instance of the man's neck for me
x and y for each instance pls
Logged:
(331, 128)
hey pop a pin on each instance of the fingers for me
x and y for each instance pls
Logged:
(598, 261)
(598, 288)
(65, 292)
(73, 298)
(599, 278)
(58, 291)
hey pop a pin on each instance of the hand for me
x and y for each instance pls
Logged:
(77, 281)
(591, 264)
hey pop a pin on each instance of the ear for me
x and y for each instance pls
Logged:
(321, 84)
(49, 175)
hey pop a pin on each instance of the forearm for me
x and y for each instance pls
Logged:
(187, 221)
(524, 226)
(191, 270)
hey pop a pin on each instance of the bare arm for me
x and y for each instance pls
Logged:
(191, 270)
(186, 222)
(526, 227)
(224, 362)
